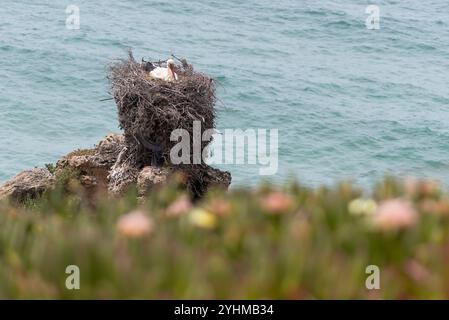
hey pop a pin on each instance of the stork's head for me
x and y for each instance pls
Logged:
(171, 68)
(171, 64)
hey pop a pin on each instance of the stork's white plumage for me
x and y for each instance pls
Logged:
(167, 74)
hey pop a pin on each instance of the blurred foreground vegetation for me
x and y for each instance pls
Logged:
(279, 243)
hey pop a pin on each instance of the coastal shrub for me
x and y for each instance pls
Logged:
(50, 167)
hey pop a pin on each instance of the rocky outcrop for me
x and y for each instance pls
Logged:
(101, 168)
(150, 177)
(27, 185)
(92, 166)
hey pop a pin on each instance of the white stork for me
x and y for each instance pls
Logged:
(167, 74)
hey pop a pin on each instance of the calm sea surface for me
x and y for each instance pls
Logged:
(349, 103)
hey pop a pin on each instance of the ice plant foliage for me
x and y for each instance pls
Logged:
(292, 242)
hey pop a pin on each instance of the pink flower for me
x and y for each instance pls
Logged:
(134, 224)
(436, 207)
(395, 214)
(277, 202)
(429, 188)
(181, 206)
(417, 271)
(414, 187)
(220, 207)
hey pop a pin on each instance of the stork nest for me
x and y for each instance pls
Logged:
(148, 112)
(150, 109)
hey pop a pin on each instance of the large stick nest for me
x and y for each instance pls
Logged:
(148, 112)
(150, 109)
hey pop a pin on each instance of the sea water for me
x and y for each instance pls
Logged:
(348, 102)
